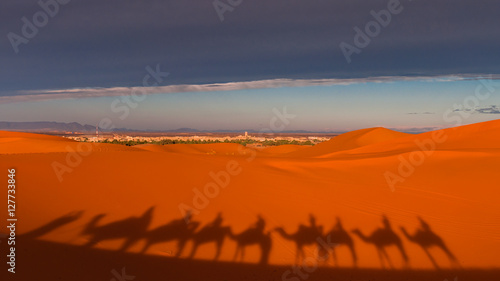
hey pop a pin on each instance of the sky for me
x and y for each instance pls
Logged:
(334, 65)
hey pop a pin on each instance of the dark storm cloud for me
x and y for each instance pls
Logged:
(95, 43)
(489, 110)
(493, 109)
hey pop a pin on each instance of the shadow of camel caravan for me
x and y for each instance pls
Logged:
(184, 230)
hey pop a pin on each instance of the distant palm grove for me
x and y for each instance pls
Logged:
(243, 142)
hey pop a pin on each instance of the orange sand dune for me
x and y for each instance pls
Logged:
(476, 137)
(282, 149)
(10, 134)
(209, 149)
(352, 140)
(26, 143)
(16, 142)
(447, 188)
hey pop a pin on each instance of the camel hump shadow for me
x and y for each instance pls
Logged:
(426, 238)
(132, 229)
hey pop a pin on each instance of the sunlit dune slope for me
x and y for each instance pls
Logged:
(280, 149)
(213, 148)
(11, 134)
(17, 142)
(352, 140)
(476, 137)
(26, 143)
(448, 185)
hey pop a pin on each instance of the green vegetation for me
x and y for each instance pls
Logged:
(243, 142)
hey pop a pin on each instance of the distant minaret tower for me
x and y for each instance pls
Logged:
(97, 131)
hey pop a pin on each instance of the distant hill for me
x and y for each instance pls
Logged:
(46, 126)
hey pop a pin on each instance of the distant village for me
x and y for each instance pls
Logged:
(244, 139)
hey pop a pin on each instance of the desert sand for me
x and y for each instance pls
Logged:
(443, 184)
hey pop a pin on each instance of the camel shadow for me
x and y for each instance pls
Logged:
(304, 236)
(132, 229)
(184, 230)
(382, 238)
(426, 238)
(254, 235)
(338, 236)
(181, 230)
(213, 232)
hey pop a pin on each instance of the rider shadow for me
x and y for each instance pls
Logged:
(426, 238)
(132, 229)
